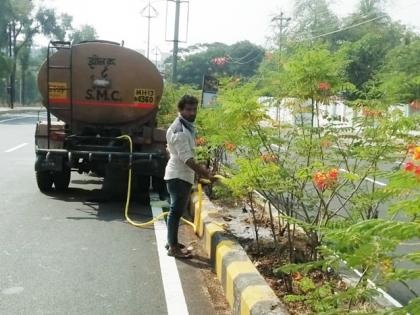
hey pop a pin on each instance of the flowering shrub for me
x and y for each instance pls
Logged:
(323, 179)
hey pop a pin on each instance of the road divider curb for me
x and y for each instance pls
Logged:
(245, 289)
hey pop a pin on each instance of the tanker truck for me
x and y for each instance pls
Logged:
(94, 93)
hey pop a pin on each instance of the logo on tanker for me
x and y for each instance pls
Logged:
(101, 85)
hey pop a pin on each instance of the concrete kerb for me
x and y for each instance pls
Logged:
(245, 289)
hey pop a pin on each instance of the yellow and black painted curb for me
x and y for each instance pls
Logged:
(245, 289)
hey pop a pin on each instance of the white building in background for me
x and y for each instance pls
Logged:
(287, 111)
(406, 109)
(338, 113)
(335, 113)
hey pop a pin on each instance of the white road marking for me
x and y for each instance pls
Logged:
(175, 299)
(12, 290)
(21, 117)
(375, 182)
(386, 295)
(9, 119)
(367, 178)
(16, 147)
(373, 285)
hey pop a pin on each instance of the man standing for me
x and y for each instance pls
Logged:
(180, 170)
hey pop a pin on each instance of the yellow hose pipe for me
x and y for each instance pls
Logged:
(163, 214)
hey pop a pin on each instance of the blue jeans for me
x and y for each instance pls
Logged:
(179, 192)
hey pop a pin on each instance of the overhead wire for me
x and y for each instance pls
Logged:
(241, 58)
(356, 24)
(345, 28)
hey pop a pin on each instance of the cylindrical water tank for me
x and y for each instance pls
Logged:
(106, 83)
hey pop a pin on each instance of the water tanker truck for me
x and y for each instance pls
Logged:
(94, 93)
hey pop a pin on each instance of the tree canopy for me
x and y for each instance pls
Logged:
(20, 22)
(240, 59)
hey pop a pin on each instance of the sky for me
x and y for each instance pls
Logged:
(226, 21)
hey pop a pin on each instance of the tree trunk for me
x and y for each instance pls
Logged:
(12, 83)
(13, 73)
(23, 87)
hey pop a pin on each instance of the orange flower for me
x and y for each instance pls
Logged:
(409, 167)
(333, 173)
(320, 180)
(269, 158)
(200, 141)
(230, 147)
(325, 180)
(417, 171)
(296, 276)
(416, 154)
(371, 113)
(324, 86)
(325, 143)
(411, 147)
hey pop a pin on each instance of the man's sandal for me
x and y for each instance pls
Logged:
(178, 253)
(181, 246)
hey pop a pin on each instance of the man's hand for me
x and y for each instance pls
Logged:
(201, 171)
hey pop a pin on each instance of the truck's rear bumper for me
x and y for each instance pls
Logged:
(142, 163)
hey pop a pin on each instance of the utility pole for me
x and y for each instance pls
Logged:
(149, 8)
(176, 40)
(156, 50)
(283, 21)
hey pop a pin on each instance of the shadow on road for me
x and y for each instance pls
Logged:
(95, 205)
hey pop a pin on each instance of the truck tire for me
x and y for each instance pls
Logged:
(62, 179)
(44, 180)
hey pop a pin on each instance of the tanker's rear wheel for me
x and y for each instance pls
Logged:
(62, 179)
(44, 180)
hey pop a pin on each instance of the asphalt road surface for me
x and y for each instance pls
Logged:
(70, 254)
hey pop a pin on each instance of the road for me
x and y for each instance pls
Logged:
(70, 254)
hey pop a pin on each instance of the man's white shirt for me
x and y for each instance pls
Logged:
(181, 143)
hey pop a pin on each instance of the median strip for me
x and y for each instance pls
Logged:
(245, 289)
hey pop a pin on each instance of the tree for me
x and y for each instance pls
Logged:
(371, 7)
(367, 55)
(85, 32)
(315, 177)
(400, 76)
(24, 64)
(23, 26)
(5, 9)
(313, 18)
(240, 59)
(367, 10)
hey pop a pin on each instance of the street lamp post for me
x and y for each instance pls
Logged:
(151, 13)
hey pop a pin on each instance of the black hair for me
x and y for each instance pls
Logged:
(187, 99)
